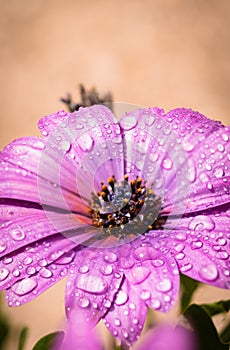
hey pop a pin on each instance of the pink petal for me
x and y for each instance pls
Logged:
(154, 276)
(92, 284)
(126, 318)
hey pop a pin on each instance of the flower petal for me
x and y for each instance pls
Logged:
(154, 276)
(92, 284)
(126, 317)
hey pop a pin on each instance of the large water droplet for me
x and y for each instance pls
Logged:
(157, 262)
(218, 172)
(85, 142)
(155, 304)
(66, 258)
(209, 272)
(3, 273)
(128, 122)
(201, 222)
(164, 286)
(28, 260)
(125, 333)
(223, 255)
(121, 298)
(137, 274)
(187, 145)
(91, 284)
(17, 234)
(24, 286)
(2, 247)
(149, 120)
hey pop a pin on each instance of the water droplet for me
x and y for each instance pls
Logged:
(187, 145)
(117, 322)
(85, 142)
(91, 284)
(218, 172)
(46, 273)
(201, 222)
(155, 303)
(149, 120)
(164, 286)
(110, 257)
(16, 273)
(79, 126)
(180, 256)
(24, 286)
(182, 236)
(125, 333)
(222, 255)
(121, 298)
(191, 173)
(65, 146)
(28, 260)
(225, 137)
(209, 272)
(39, 145)
(106, 270)
(107, 303)
(132, 306)
(30, 270)
(167, 164)
(7, 261)
(196, 244)
(2, 247)
(84, 269)
(145, 294)
(128, 122)
(220, 147)
(66, 258)
(3, 273)
(137, 274)
(221, 241)
(157, 262)
(186, 267)
(17, 234)
(83, 302)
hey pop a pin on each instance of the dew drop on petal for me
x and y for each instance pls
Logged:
(30, 270)
(218, 172)
(46, 273)
(84, 269)
(164, 286)
(107, 303)
(186, 267)
(117, 322)
(24, 286)
(125, 333)
(137, 274)
(91, 284)
(65, 146)
(121, 298)
(167, 164)
(17, 234)
(222, 255)
(110, 257)
(85, 142)
(83, 302)
(209, 272)
(106, 270)
(28, 260)
(3, 273)
(2, 247)
(201, 222)
(157, 262)
(225, 137)
(145, 295)
(128, 122)
(155, 304)
(149, 120)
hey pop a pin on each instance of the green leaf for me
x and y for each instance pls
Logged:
(219, 307)
(225, 334)
(201, 322)
(22, 338)
(49, 340)
(188, 286)
(4, 331)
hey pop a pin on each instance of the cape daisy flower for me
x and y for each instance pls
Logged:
(119, 207)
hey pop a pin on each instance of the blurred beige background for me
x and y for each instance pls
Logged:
(168, 53)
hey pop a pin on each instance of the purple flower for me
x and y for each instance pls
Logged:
(119, 207)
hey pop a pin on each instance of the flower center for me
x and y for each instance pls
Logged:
(126, 207)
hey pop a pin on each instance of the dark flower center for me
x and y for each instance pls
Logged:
(126, 207)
